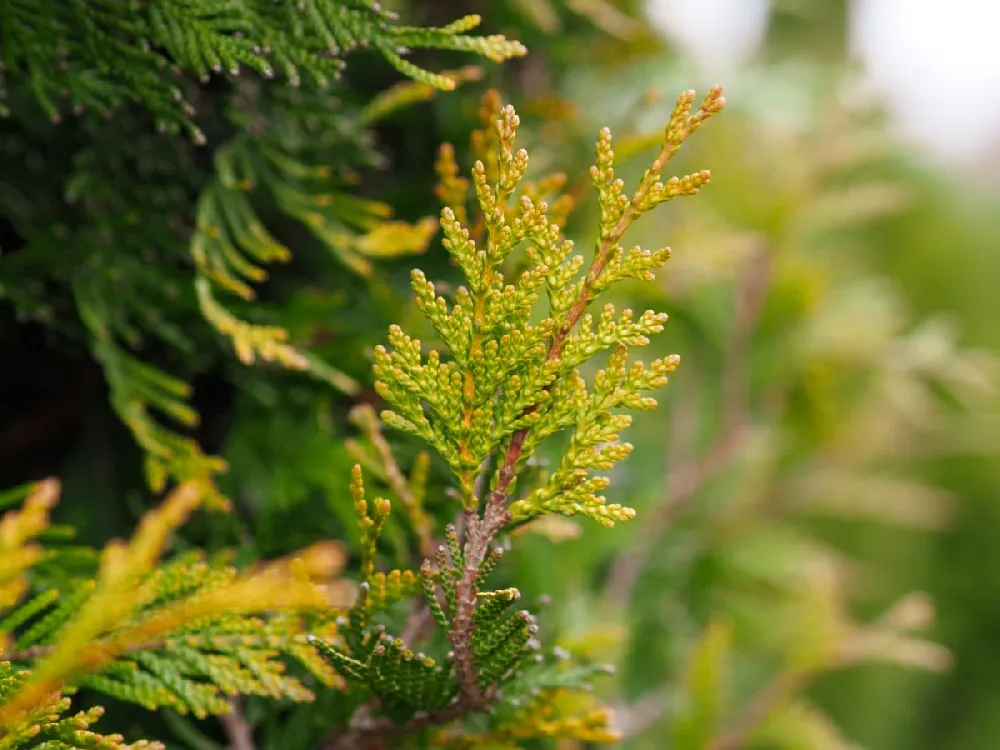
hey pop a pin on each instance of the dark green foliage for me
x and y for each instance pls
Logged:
(98, 54)
(155, 226)
(197, 664)
(125, 243)
(50, 729)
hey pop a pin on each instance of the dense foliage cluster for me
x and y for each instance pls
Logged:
(152, 215)
(182, 634)
(208, 216)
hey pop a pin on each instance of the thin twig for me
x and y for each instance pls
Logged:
(237, 728)
(758, 708)
(37, 652)
(367, 419)
(687, 477)
(635, 718)
(685, 482)
(751, 293)
(481, 531)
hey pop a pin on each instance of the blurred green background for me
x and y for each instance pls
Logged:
(828, 446)
(870, 241)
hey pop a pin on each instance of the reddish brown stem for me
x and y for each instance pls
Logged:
(688, 476)
(237, 728)
(759, 708)
(480, 531)
(368, 733)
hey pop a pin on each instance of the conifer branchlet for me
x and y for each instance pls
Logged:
(507, 385)
(101, 54)
(150, 206)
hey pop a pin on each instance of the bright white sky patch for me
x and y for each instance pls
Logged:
(717, 35)
(938, 61)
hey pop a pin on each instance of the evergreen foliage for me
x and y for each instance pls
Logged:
(182, 634)
(98, 55)
(186, 633)
(507, 387)
(149, 208)
(46, 727)
(808, 398)
(163, 160)
(177, 635)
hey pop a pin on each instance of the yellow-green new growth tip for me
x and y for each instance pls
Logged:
(502, 384)
(508, 384)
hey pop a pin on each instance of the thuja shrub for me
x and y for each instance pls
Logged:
(160, 158)
(418, 657)
(503, 386)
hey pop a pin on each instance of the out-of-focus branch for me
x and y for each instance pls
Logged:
(685, 482)
(758, 708)
(237, 728)
(636, 718)
(380, 733)
(366, 418)
(751, 293)
(687, 475)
